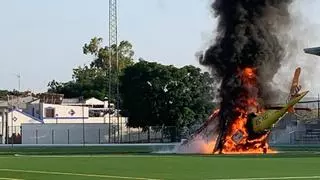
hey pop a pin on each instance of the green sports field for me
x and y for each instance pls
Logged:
(29, 166)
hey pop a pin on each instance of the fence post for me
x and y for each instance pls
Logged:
(149, 134)
(36, 136)
(52, 136)
(139, 135)
(177, 134)
(161, 130)
(12, 135)
(99, 137)
(121, 132)
(21, 134)
(129, 134)
(68, 136)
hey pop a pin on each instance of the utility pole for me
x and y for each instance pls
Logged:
(113, 41)
(19, 80)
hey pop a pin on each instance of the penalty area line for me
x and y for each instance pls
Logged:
(273, 178)
(73, 174)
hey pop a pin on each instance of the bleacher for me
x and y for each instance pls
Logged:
(310, 136)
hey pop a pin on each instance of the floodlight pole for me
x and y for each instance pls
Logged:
(113, 41)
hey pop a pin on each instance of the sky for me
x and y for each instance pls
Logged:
(42, 40)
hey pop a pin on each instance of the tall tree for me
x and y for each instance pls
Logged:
(103, 53)
(92, 80)
(158, 95)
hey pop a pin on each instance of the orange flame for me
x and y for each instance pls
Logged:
(237, 139)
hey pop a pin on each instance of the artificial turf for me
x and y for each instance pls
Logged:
(154, 166)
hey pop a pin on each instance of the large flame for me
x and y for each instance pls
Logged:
(237, 139)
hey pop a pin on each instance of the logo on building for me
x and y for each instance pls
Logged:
(71, 112)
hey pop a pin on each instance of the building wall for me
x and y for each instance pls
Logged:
(16, 118)
(64, 112)
(65, 133)
(64, 115)
(33, 109)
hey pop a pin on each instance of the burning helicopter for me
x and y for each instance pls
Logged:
(250, 131)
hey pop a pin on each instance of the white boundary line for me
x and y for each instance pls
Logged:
(75, 174)
(274, 178)
(9, 179)
(93, 156)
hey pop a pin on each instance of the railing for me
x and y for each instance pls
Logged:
(311, 136)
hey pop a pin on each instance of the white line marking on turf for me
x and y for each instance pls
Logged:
(274, 178)
(75, 174)
(9, 179)
(94, 156)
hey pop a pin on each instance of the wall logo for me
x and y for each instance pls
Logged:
(71, 112)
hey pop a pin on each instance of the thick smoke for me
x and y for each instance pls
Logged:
(246, 37)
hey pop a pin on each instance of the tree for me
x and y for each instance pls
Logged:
(87, 82)
(102, 54)
(93, 80)
(158, 95)
(4, 94)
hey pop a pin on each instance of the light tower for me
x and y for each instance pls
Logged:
(113, 56)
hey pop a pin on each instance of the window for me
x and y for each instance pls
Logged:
(49, 112)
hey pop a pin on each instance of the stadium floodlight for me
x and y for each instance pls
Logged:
(314, 51)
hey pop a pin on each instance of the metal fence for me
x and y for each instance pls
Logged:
(291, 131)
(297, 130)
(88, 134)
(311, 136)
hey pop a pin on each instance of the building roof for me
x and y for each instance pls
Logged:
(71, 101)
(94, 101)
(77, 101)
(17, 101)
(314, 51)
(51, 98)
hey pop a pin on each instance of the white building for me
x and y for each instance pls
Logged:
(72, 111)
(56, 113)
(62, 111)
(54, 109)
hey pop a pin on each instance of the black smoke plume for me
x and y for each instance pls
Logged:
(246, 37)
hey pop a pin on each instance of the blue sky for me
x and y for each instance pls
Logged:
(42, 40)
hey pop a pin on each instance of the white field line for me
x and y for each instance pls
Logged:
(75, 174)
(274, 178)
(93, 156)
(9, 179)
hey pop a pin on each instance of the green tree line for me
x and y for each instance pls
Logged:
(151, 94)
